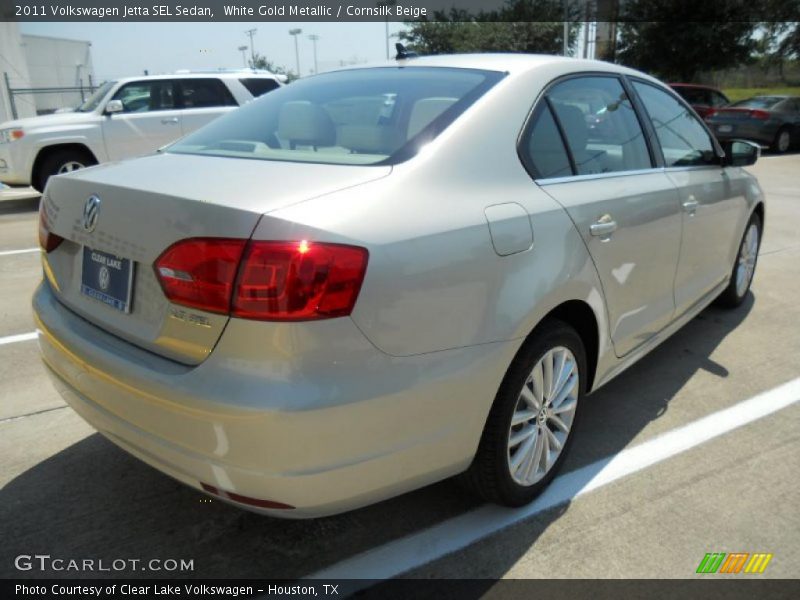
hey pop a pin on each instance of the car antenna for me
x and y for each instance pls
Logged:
(403, 53)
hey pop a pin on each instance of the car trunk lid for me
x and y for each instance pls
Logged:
(145, 206)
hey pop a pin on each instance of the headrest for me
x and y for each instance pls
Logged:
(574, 123)
(306, 123)
(425, 111)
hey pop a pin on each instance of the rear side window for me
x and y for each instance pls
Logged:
(683, 139)
(204, 93)
(718, 100)
(600, 126)
(543, 151)
(259, 86)
(693, 95)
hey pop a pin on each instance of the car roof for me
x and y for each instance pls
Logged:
(694, 85)
(504, 62)
(203, 74)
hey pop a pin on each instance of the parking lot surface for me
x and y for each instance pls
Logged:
(69, 493)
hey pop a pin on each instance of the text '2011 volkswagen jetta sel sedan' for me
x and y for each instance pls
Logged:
(376, 278)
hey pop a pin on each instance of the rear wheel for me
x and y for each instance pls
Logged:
(745, 266)
(61, 161)
(783, 140)
(528, 431)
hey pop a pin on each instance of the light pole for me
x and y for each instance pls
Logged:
(294, 33)
(314, 38)
(387, 4)
(251, 33)
(243, 49)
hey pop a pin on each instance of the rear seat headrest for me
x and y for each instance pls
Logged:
(305, 123)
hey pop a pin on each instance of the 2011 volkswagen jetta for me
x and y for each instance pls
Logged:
(377, 278)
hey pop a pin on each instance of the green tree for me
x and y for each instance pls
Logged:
(263, 63)
(677, 39)
(519, 26)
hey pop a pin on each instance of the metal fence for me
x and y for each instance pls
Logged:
(53, 98)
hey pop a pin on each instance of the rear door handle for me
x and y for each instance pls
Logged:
(690, 206)
(171, 121)
(603, 227)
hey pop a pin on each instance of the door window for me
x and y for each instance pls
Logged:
(204, 93)
(543, 150)
(599, 124)
(259, 86)
(146, 96)
(683, 139)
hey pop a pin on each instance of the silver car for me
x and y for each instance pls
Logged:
(377, 278)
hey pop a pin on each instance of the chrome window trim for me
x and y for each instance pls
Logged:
(576, 178)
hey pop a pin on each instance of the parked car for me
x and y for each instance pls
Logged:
(123, 118)
(705, 100)
(324, 298)
(773, 121)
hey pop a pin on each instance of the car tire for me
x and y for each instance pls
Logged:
(744, 266)
(783, 140)
(61, 161)
(498, 473)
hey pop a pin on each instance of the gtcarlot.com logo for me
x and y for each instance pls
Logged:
(45, 562)
(734, 562)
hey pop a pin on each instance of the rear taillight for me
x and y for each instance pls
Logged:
(200, 272)
(761, 115)
(264, 280)
(48, 240)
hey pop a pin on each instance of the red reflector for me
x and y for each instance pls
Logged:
(48, 240)
(199, 272)
(298, 281)
(244, 499)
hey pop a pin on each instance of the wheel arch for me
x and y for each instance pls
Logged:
(580, 316)
(48, 151)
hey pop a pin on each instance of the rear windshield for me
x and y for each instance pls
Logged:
(258, 86)
(759, 102)
(355, 117)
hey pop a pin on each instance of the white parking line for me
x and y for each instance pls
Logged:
(415, 550)
(24, 251)
(20, 337)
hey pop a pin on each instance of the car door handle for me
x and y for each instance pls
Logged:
(171, 121)
(603, 227)
(690, 206)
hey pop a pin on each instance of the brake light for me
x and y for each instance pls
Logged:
(761, 115)
(298, 281)
(200, 272)
(48, 240)
(264, 280)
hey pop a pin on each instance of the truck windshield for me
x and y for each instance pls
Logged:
(94, 100)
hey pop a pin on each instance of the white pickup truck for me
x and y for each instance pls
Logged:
(123, 118)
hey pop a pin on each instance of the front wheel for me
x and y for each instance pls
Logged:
(528, 431)
(60, 162)
(745, 266)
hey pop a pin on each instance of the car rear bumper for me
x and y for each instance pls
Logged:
(759, 133)
(350, 430)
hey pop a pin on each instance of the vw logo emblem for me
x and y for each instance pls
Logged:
(90, 212)
(104, 278)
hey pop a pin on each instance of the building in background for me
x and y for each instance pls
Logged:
(61, 64)
(39, 74)
(13, 73)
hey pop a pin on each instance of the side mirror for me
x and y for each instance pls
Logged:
(740, 153)
(114, 106)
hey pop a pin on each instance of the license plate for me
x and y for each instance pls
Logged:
(725, 128)
(107, 278)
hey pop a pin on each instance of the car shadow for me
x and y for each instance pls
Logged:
(17, 206)
(93, 501)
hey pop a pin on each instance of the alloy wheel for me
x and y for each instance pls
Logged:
(543, 416)
(69, 166)
(747, 259)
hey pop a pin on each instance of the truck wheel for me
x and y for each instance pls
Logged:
(61, 161)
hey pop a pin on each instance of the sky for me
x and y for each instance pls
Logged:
(123, 49)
